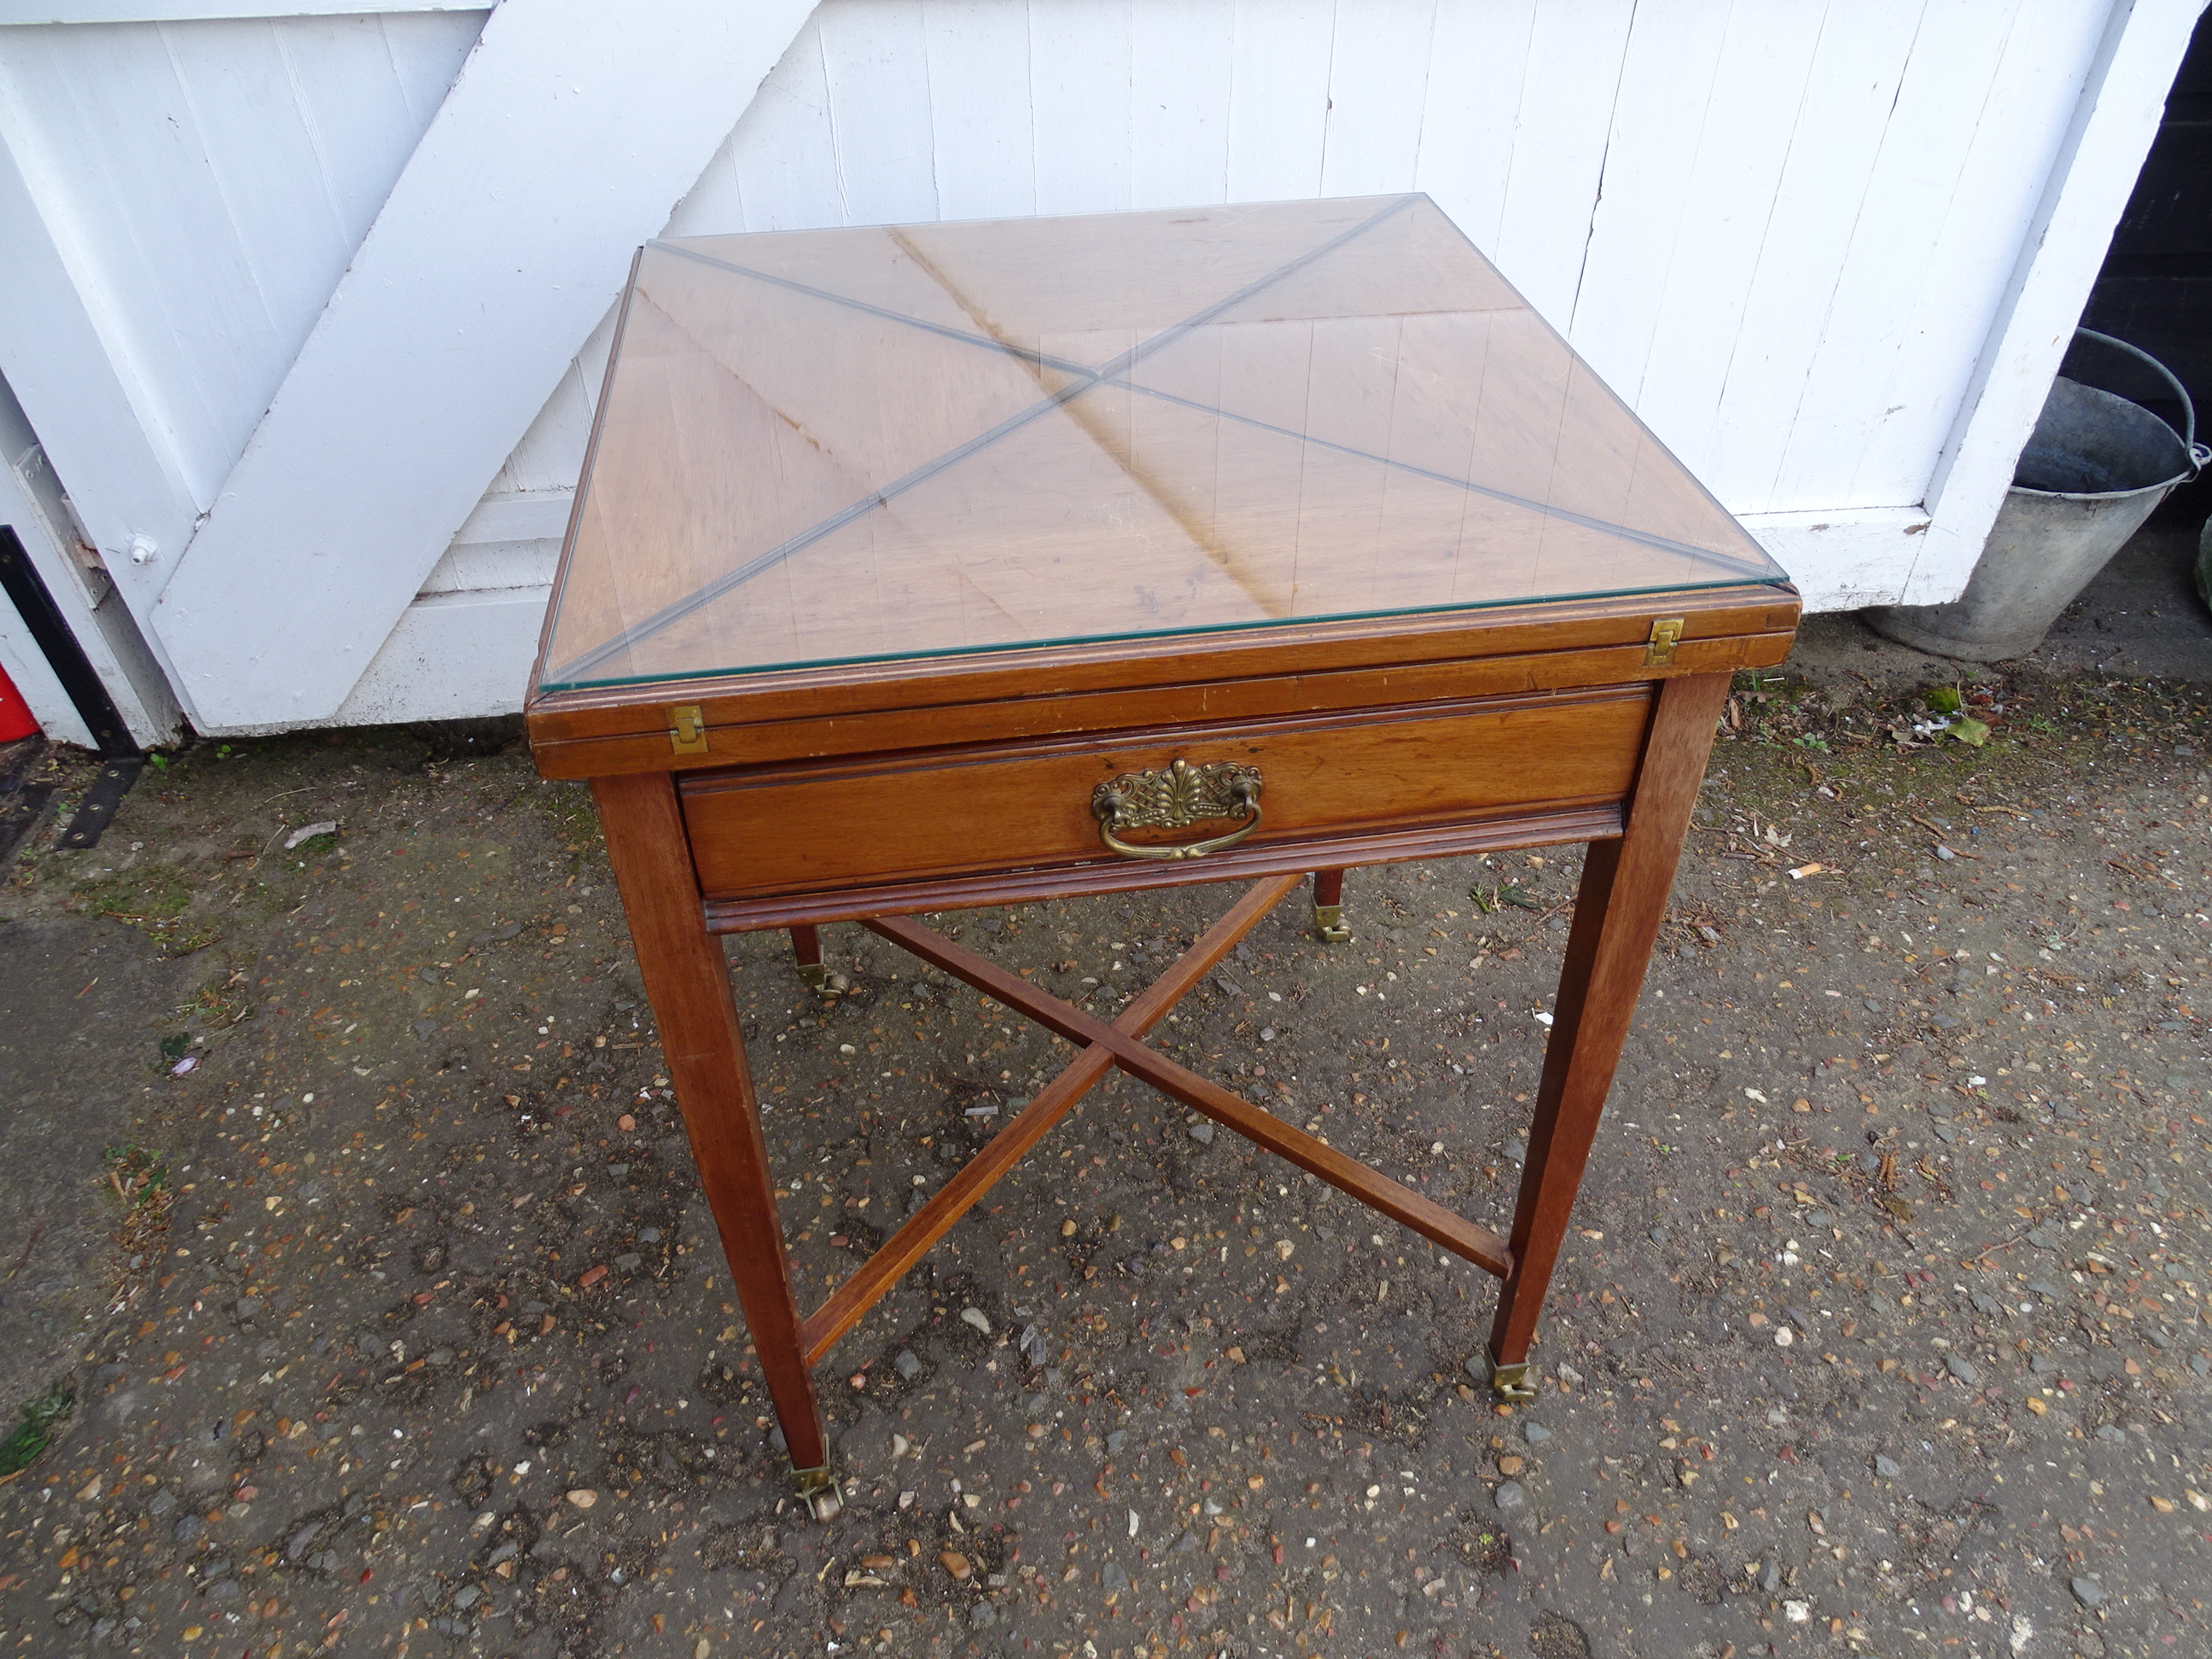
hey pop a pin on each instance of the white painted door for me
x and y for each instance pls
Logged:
(309, 307)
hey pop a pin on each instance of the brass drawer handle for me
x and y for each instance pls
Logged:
(1183, 794)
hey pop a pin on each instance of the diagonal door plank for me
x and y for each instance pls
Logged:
(572, 131)
(91, 410)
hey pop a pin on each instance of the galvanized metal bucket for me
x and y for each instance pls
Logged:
(2097, 464)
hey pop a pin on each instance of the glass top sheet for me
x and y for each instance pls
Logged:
(841, 445)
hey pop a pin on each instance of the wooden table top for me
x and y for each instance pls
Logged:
(904, 445)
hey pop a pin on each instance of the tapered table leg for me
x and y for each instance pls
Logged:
(1622, 901)
(688, 983)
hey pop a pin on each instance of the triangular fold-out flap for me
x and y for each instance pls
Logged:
(1126, 514)
(1402, 263)
(1546, 427)
(1309, 531)
(1614, 468)
(1491, 400)
(636, 545)
(1142, 274)
(879, 396)
(694, 474)
(1043, 536)
(867, 589)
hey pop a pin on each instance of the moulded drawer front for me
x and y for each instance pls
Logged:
(836, 825)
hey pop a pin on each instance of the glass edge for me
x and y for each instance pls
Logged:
(557, 601)
(547, 687)
(652, 242)
(541, 686)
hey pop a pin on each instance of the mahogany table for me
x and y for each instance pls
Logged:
(926, 566)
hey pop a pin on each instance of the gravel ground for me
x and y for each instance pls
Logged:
(349, 1201)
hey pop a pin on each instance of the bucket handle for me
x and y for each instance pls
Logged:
(2200, 455)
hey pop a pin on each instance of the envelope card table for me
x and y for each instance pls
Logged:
(928, 566)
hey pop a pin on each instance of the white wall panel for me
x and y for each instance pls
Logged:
(879, 109)
(1748, 126)
(1561, 141)
(976, 55)
(214, 178)
(1378, 87)
(1637, 229)
(1471, 117)
(1845, 405)
(1771, 226)
(1790, 233)
(1984, 210)
(1820, 196)
(1180, 94)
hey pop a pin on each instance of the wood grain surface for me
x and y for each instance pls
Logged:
(893, 818)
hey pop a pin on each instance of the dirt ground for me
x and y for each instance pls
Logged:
(343, 1194)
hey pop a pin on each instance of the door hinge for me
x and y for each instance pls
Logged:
(687, 732)
(1666, 634)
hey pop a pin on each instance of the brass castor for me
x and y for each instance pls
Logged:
(1510, 1381)
(824, 1502)
(820, 977)
(1328, 923)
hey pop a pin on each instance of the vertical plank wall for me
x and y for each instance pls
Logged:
(1782, 230)
(213, 179)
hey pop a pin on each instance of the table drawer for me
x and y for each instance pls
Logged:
(827, 825)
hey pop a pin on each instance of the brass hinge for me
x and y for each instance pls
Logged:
(687, 732)
(1666, 634)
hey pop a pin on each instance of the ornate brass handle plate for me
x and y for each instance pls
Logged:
(1181, 795)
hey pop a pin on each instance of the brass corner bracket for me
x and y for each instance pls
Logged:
(1509, 1382)
(687, 730)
